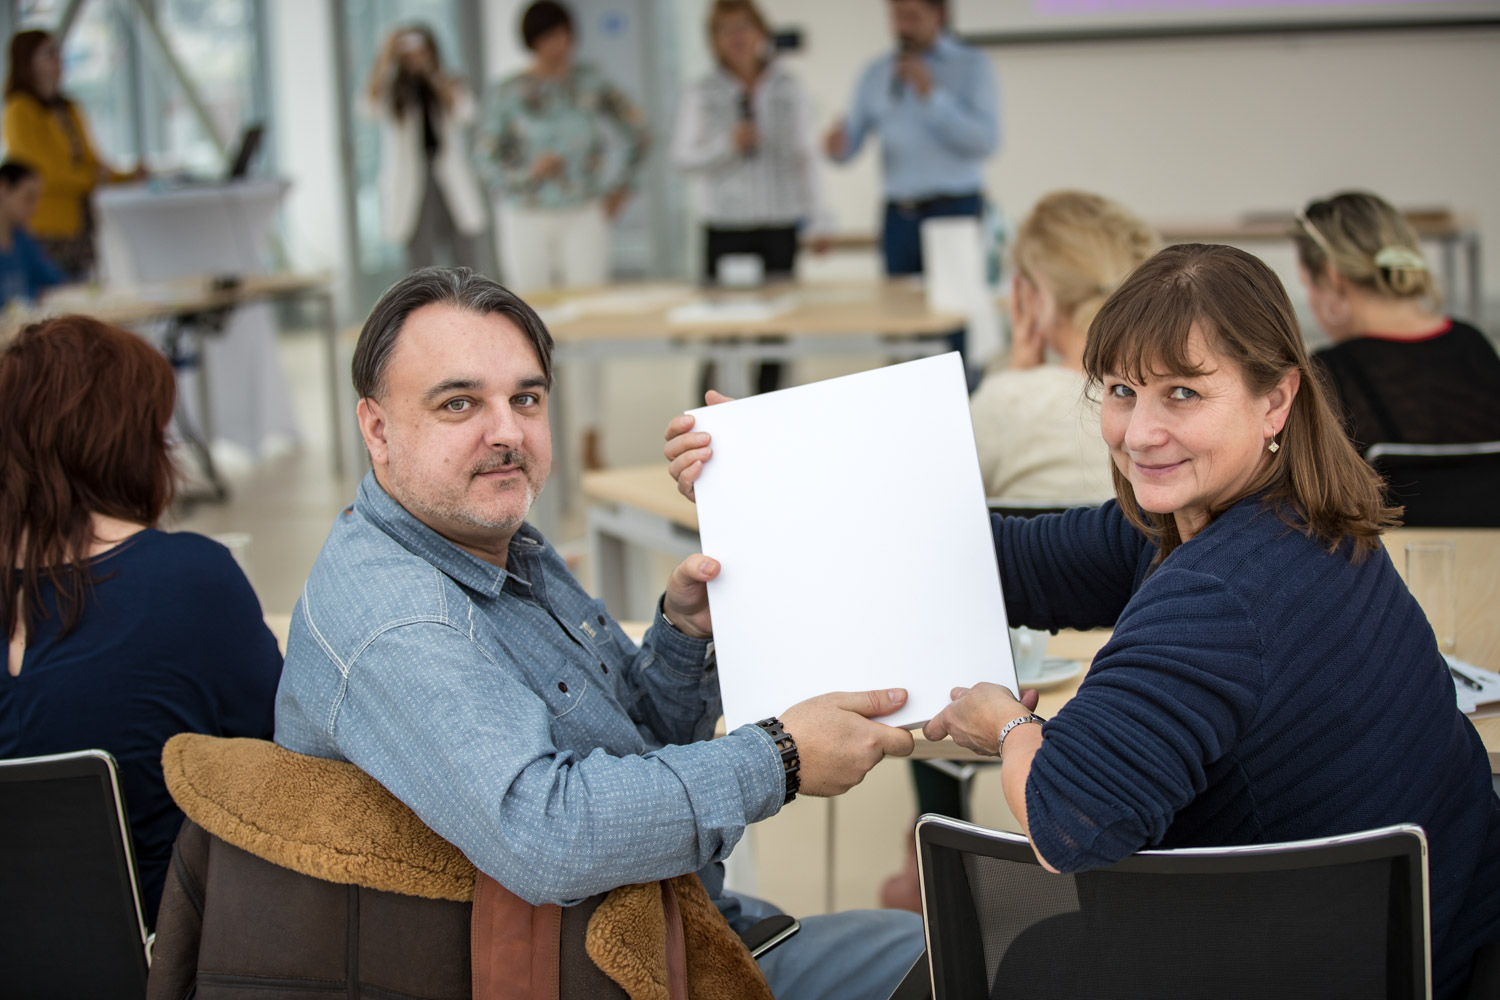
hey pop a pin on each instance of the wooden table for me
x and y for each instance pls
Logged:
(887, 319)
(633, 512)
(1453, 233)
(178, 299)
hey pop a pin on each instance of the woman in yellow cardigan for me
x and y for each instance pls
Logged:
(49, 133)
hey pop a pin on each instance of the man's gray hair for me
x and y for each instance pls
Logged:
(455, 286)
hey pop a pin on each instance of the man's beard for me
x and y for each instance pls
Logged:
(455, 508)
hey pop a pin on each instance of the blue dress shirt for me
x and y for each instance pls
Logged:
(512, 715)
(930, 146)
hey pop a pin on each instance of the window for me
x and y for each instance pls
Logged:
(114, 67)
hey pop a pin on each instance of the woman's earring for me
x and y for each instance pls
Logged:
(1273, 447)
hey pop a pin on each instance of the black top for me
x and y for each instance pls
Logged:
(171, 641)
(1441, 389)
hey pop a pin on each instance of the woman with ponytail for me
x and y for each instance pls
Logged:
(1400, 369)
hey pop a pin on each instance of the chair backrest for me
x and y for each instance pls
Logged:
(1328, 918)
(1032, 508)
(1442, 485)
(71, 921)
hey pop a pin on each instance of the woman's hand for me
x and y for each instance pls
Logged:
(686, 450)
(976, 715)
(745, 137)
(1028, 344)
(614, 203)
(545, 166)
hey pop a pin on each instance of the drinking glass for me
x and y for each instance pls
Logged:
(1431, 578)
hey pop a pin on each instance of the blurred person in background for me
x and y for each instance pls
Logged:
(119, 636)
(936, 106)
(49, 132)
(429, 193)
(543, 145)
(1037, 433)
(1400, 370)
(25, 271)
(745, 133)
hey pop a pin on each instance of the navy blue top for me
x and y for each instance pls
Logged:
(1257, 688)
(172, 640)
(25, 271)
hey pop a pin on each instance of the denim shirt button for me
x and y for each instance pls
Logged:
(604, 666)
(601, 619)
(562, 687)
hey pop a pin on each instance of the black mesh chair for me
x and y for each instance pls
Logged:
(71, 921)
(1442, 485)
(1330, 918)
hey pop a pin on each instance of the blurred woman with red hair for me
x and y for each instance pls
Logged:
(120, 635)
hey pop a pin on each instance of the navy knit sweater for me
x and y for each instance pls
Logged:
(1257, 688)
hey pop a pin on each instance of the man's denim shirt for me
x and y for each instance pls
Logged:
(512, 714)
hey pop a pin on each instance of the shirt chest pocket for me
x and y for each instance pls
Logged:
(566, 692)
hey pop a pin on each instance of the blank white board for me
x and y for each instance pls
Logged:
(850, 520)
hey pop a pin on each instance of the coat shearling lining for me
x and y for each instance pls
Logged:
(322, 818)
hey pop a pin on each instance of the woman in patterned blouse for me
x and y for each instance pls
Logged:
(543, 144)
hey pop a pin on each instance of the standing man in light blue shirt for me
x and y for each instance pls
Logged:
(443, 647)
(936, 106)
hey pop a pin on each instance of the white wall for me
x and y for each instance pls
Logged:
(303, 88)
(1209, 128)
(503, 52)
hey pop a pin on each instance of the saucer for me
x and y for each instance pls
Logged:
(1053, 673)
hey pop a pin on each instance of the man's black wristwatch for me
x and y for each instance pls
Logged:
(790, 762)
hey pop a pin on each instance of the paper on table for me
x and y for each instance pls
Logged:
(1469, 700)
(849, 517)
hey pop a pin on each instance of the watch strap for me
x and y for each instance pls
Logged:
(791, 763)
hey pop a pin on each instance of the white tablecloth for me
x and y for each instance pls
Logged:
(148, 234)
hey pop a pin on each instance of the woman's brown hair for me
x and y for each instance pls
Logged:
(23, 46)
(84, 408)
(1316, 480)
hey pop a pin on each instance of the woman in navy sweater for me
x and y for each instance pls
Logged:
(1269, 678)
(120, 636)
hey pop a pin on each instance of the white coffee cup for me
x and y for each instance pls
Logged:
(1029, 647)
(741, 270)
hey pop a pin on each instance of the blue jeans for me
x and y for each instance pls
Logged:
(901, 239)
(855, 955)
(901, 236)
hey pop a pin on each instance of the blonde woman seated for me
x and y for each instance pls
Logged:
(1037, 432)
(1400, 369)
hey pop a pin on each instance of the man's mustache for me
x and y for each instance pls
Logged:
(510, 457)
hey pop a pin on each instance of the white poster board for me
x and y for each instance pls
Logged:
(850, 520)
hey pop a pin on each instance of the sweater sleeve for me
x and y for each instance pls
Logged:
(1169, 695)
(1077, 569)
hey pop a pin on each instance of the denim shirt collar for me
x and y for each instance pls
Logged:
(467, 569)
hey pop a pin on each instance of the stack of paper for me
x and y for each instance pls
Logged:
(850, 520)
